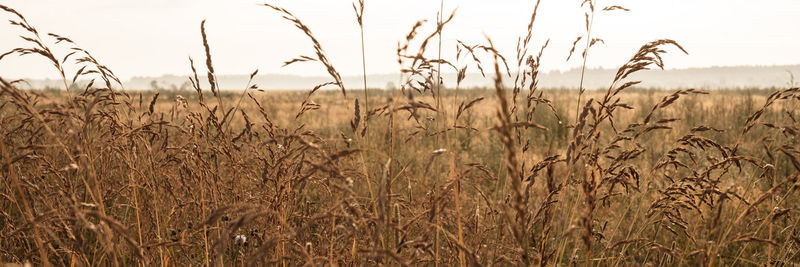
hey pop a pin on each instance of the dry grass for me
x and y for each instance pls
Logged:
(419, 176)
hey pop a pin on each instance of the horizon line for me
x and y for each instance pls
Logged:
(601, 68)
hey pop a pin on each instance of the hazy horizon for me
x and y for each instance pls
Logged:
(153, 38)
(729, 77)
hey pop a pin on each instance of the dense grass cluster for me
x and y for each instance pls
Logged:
(421, 175)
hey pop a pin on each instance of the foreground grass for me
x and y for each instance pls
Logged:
(425, 175)
(121, 183)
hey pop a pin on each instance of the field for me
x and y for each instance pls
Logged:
(94, 174)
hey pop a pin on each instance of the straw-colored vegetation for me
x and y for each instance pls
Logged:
(422, 175)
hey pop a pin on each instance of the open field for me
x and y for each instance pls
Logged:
(422, 175)
(174, 188)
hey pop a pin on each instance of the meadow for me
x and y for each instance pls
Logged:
(96, 174)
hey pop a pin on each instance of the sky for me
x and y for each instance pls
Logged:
(156, 37)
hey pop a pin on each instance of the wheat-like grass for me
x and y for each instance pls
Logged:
(113, 176)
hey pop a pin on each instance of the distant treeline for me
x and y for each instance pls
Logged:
(703, 78)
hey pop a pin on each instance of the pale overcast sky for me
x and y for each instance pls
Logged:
(155, 37)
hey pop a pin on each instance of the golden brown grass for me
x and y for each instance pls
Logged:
(107, 176)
